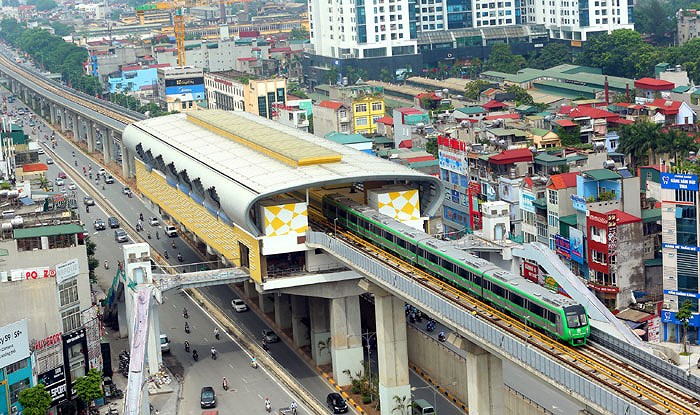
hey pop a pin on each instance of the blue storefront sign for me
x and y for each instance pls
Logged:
(682, 293)
(576, 245)
(678, 247)
(578, 202)
(668, 316)
(562, 246)
(679, 181)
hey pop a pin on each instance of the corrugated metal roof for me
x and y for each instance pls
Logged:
(49, 230)
(602, 174)
(284, 147)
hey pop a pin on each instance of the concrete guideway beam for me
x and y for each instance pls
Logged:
(484, 381)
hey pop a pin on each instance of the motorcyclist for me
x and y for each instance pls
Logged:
(179, 257)
(187, 327)
(187, 346)
(253, 362)
(195, 355)
(73, 153)
(224, 383)
(216, 333)
(184, 310)
(106, 264)
(213, 352)
(165, 254)
(268, 404)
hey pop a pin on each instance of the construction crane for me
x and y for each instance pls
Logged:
(179, 28)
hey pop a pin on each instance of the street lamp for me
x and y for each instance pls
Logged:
(368, 337)
(335, 226)
(435, 406)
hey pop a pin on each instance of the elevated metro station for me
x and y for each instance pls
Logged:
(246, 190)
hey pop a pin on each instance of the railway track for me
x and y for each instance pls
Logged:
(65, 93)
(595, 364)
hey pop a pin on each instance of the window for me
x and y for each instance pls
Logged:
(553, 197)
(377, 106)
(598, 257)
(598, 235)
(70, 318)
(68, 292)
(16, 388)
(17, 366)
(553, 219)
(361, 108)
(361, 121)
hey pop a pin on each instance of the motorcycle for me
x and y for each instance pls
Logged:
(442, 337)
(430, 326)
(268, 406)
(216, 334)
(106, 264)
(213, 353)
(187, 328)
(195, 355)
(165, 254)
(179, 257)
(187, 346)
(254, 363)
(184, 310)
(224, 384)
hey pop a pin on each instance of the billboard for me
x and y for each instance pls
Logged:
(199, 80)
(576, 245)
(54, 381)
(450, 160)
(14, 343)
(679, 181)
(526, 199)
(562, 246)
(184, 93)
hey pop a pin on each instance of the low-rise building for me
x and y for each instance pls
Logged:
(181, 88)
(332, 116)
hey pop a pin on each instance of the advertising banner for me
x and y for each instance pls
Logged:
(67, 270)
(562, 246)
(14, 343)
(55, 382)
(450, 160)
(199, 80)
(531, 271)
(576, 245)
(654, 330)
(184, 93)
(526, 199)
(612, 234)
(679, 181)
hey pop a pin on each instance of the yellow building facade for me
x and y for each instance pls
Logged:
(261, 96)
(366, 110)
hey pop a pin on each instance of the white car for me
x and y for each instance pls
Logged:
(171, 231)
(72, 186)
(153, 222)
(238, 305)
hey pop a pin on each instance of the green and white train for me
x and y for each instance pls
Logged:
(555, 314)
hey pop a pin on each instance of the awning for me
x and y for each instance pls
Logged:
(26, 201)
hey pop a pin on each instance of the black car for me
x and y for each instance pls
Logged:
(207, 398)
(99, 224)
(336, 403)
(113, 222)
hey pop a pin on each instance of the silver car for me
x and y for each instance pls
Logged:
(238, 305)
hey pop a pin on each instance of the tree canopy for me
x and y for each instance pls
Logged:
(502, 59)
(551, 55)
(89, 387)
(620, 53)
(35, 400)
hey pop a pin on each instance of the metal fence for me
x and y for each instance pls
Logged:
(477, 330)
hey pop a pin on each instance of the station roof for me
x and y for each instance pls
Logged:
(248, 158)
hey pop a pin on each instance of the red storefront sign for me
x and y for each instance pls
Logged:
(606, 289)
(531, 271)
(48, 342)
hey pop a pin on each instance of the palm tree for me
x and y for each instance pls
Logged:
(403, 405)
(680, 143)
(640, 140)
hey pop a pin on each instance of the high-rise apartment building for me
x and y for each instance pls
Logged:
(575, 20)
(363, 29)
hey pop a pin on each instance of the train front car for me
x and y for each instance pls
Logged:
(577, 328)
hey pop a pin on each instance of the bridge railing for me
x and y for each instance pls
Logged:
(476, 329)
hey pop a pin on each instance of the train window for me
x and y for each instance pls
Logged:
(487, 285)
(498, 290)
(421, 253)
(401, 242)
(551, 317)
(412, 247)
(477, 279)
(536, 309)
(464, 273)
(432, 257)
(516, 298)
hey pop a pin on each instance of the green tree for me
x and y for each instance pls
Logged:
(651, 17)
(431, 146)
(522, 97)
(502, 59)
(639, 140)
(61, 29)
(299, 33)
(551, 55)
(35, 400)
(385, 75)
(620, 53)
(685, 312)
(43, 5)
(569, 137)
(89, 387)
(402, 405)
(332, 75)
(93, 263)
(474, 88)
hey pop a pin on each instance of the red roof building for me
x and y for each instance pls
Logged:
(334, 105)
(494, 105)
(562, 181)
(512, 156)
(592, 113)
(34, 167)
(624, 217)
(653, 84)
(385, 120)
(513, 116)
(664, 106)
(565, 123)
(249, 59)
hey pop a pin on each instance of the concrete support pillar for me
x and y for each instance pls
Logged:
(42, 108)
(90, 131)
(266, 303)
(320, 330)
(484, 381)
(126, 161)
(52, 114)
(346, 338)
(108, 146)
(249, 289)
(283, 311)
(75, 126)
(392, 350)
(26, 96)
(300, 328)
(64, 120)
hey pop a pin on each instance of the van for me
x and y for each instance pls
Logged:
(422, 407)
(164, 343)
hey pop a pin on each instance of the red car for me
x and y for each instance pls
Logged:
(62, 175)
